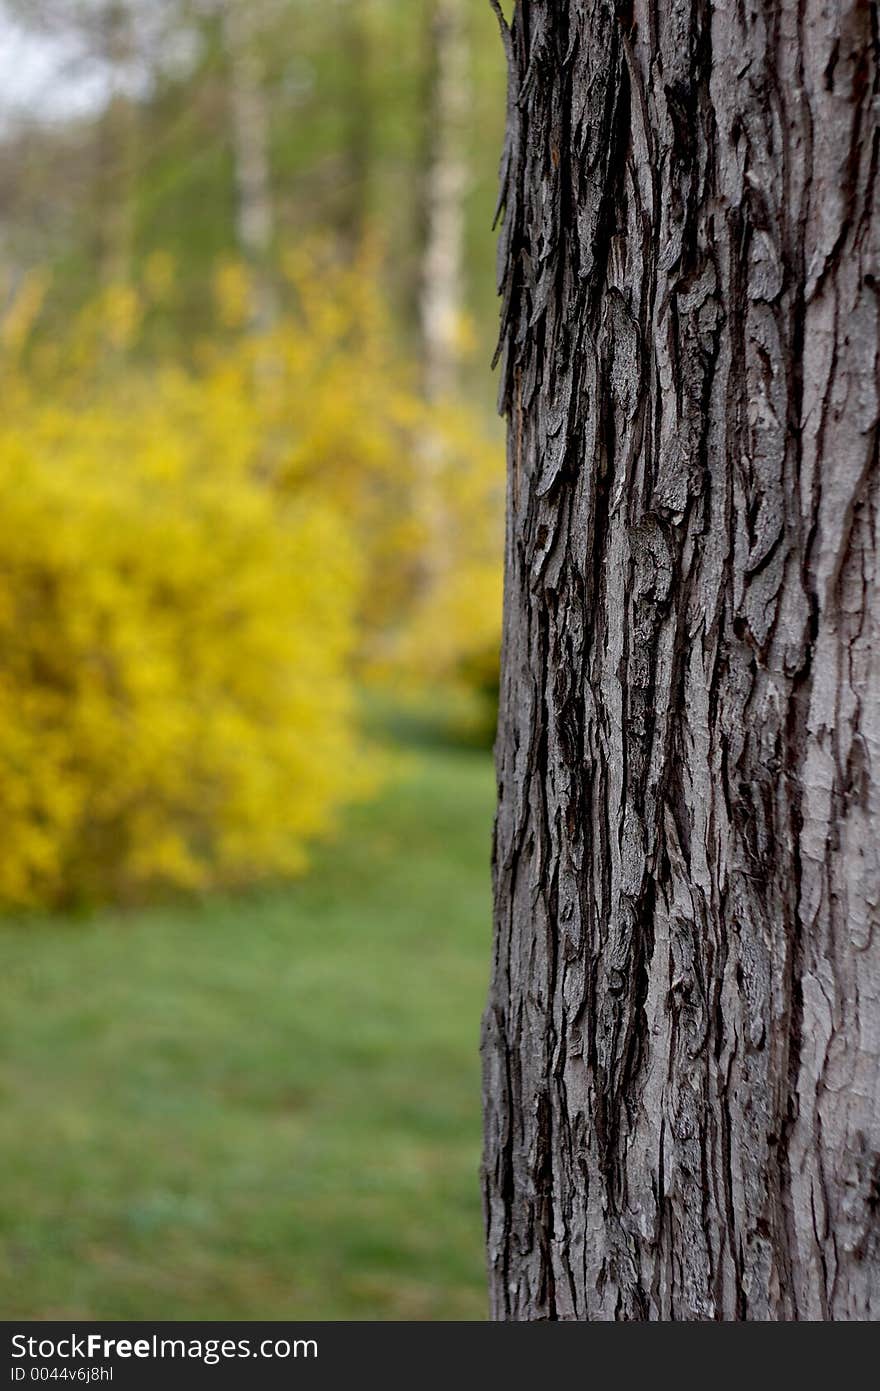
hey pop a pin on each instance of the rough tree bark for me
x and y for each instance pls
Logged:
(682, 1040)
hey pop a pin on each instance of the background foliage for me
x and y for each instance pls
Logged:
(228, 503)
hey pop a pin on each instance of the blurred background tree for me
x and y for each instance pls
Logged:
(281, 208)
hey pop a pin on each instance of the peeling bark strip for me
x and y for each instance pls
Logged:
(682, 1041)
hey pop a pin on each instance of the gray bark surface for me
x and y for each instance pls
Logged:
(682, 1039)
(442, 292)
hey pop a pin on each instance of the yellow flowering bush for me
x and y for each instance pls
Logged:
(199, 559)
(176, 703)
(327, 404)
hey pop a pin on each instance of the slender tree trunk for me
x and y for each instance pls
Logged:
(682, 1041)
(441, 294)
(116, 155)
(250, 139)
(117, 152)
(358, 147)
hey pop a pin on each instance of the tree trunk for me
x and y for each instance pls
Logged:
(116, 150)
(682, 1041)
(358, 144)
(441, 294)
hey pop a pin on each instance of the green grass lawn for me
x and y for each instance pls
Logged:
(264, 1107)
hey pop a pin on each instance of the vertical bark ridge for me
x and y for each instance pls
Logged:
(682, 1041)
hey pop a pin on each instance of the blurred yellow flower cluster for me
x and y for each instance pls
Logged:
(198, 563)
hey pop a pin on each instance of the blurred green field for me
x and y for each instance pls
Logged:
(264, 1107)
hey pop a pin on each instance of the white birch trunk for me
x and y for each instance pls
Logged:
(682, 1042)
